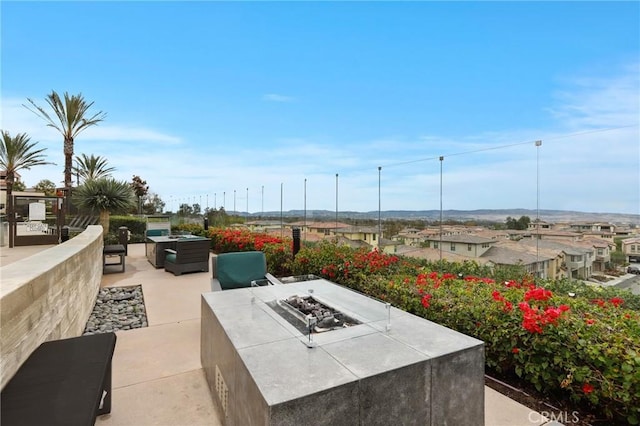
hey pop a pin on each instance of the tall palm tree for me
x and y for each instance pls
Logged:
(92, 167)
(70, 119)
(17, 153)
(105, 195)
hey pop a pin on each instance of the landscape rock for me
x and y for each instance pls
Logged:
(117, 308)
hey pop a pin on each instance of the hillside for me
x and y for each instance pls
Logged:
(461, 215)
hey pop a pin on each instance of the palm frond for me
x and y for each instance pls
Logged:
(92, 167)
(105, 194)
(70, 113)
(18, 152)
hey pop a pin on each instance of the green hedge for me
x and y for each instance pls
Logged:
(135, 225)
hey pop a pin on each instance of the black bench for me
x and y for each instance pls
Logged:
(63, 382)
(113, 250)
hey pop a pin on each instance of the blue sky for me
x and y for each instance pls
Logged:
(207, 98)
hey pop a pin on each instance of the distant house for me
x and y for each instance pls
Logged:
(514, 255)
(263, 225)
(626, 231)
(552, 258)
(547, 234)
(465, 245)
(578, 257)
(410, 236)
(593, 227)
(631, 249)
(366, 234)
(536, 224)
(342, 232)
(603, 249)
(319, 228)
(433, 255)
(389, 246)
(492, 234)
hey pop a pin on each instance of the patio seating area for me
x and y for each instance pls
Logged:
(158, 378)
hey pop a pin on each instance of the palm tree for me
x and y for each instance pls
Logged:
(92, 167)
(105, 195)
(17, 153)
(70, 120)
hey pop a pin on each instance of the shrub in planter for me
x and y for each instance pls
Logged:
(585, 347)
(189, 228)
(567, 339)
(278, 252)
(576, 348)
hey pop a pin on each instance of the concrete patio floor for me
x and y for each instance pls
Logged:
(157, 376)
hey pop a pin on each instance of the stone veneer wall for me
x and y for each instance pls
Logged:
(48, 296)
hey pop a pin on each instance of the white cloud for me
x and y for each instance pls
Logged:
(18, 119)
(600, 102)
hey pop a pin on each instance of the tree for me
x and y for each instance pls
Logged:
(184, 210)
(153, 204)
(70, 119)
(46, 186)
(17, 153)
(519, 224)
(140, 189)
(92, 167)
(106, 196)
(19, 185)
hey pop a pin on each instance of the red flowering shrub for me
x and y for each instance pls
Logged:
(585, 347)
(277, 251)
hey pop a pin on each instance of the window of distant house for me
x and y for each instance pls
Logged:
(485, 245)
(435, 245)
(469, 247)
(453, 246)
(600, 252)
(326, 232)
(374, 237)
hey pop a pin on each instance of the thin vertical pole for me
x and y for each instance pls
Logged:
(262, 203)
(234, 201)
(538, 145)
(224, 200)
(304, 234)
(440, 245)
(379, 207)
(336, 230)
(247, 203)
(281, 222)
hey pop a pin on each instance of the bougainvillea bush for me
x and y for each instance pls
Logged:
(567, 339)
(582, 344)
(277, 250)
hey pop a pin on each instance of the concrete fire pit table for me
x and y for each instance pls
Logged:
(388, 367)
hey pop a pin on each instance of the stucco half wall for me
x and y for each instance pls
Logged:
(48, 296)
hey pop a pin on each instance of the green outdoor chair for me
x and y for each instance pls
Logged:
(239, 270)
(190, 255)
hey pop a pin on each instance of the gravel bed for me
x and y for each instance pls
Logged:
(117, 308)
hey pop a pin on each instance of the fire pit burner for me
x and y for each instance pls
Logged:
(307, 313)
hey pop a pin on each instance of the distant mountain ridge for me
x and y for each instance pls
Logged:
(496, 215)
